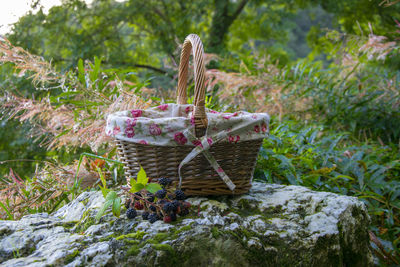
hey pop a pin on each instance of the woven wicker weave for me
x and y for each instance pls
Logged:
(199, 178)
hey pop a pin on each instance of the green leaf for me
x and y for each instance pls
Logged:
(136, 188)
(111, 195)
(142, 177)
(116, 208)
(103, 209)
(104, 191)
(103, 180)
(133, 182)
(81, 72)
(153, 187)
(10, 216)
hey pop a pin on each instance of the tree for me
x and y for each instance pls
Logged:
(224, 15)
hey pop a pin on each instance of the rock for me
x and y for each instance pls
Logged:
(272, 225)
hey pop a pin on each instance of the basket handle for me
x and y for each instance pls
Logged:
(193, 44)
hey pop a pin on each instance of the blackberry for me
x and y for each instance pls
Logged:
(164, 182)
(173, 217)
(175, 205)
(179, 195)
(153, 217)
(137, 196)
(145, 215)
(127, 203)
(167, 219)
(162, 201)
(150, 197)
(168, 207)
(131, 213)
(138, 205)
(161, 193)
(186, 204)
(153, 208)
(184, 212)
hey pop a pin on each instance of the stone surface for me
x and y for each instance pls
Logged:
(273, 225)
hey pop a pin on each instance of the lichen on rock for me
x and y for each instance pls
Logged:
(272, 225)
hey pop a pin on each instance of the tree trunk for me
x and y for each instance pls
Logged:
(221, 21)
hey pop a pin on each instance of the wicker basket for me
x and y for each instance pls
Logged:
(198, 176)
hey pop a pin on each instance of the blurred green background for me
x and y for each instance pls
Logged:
(142, 37)
(327, 72)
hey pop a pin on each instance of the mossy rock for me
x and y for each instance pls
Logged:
(272, 225)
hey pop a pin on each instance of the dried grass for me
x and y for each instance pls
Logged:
(41, 71)
(41, 193)
(256, 93)
(58, 124)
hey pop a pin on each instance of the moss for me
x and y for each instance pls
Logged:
(68, 225)
(131, 242)
(176, 233)
(137, 235)
(232, 233)
(32, 249)
(164, 247)
(170, 257)
(71, 256)
(160, 237)
(83, 226)
(247, 233)
(107, 238)
(184, 228)
(244, 204)
(85, 222)
(215, 232)
(133, 251)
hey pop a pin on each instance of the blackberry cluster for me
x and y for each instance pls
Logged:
(164, 182)
(166, 204)
(131, 213)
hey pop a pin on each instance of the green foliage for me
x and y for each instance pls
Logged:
(327, 160)
(142, 182)
(111, 200)
(361, 99)
(338, 106)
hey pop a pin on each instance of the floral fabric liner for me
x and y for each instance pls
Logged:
(173, 125)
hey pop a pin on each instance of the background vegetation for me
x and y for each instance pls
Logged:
(327, 72)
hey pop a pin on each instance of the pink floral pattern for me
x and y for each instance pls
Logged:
(210, 141)
(131, 123)
(143, 142)
(180, 138)
(167, 124)
(163, 107)
(188, 109)
(264, 127)
(136, 113)
(233, 139)
(197, 143)
(237, 139)
(129, 131)
(227, 117)
(116, 130)
(154, 129)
